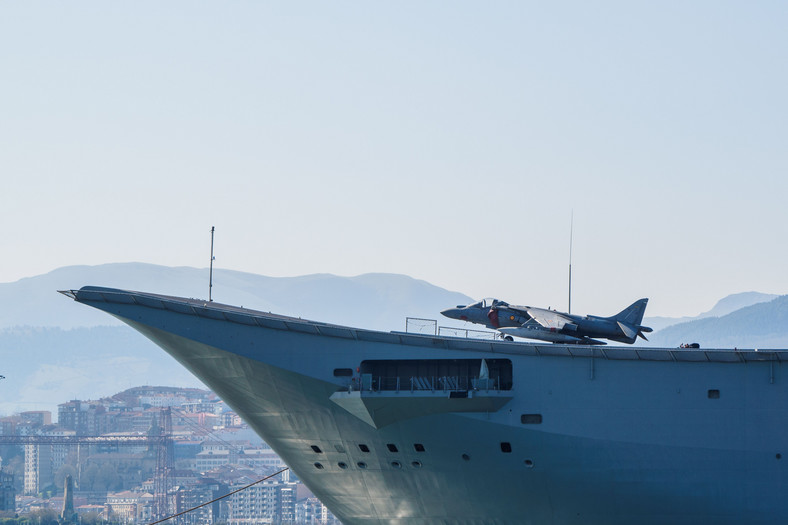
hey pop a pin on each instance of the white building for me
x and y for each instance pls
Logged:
(129, 507)
(264, 503)
(215, 454)
(43, 460)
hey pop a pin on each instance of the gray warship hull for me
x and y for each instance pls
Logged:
(395, 428)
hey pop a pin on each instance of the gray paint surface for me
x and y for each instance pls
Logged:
(628, 435)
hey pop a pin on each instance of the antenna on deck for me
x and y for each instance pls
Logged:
(571, 228)
(210, 275)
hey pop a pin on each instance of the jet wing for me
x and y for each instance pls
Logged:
(547, 318)
(551, 319)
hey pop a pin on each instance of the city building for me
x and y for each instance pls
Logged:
(310, 511)
(83, 417)
(37, 417)
(7, 492)
(194, 495)
(129, 507)
(213, 456)
(88, 509)
(204, 434)
(43, 460)
(231, 419)
(38, 467)
(264, 503)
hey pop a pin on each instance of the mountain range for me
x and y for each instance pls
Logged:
(376, 301)
(761, 325)
(724, 306)
(55, 350)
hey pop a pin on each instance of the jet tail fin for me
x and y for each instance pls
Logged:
(633, 314)
(629, 320)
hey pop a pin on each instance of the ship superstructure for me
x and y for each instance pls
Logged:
(396, 428)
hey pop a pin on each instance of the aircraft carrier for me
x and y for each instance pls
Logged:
(394, 428)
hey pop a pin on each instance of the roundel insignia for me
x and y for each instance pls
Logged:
(511, 318)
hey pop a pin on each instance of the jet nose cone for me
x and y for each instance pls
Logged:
(454, 313)
(450, 312)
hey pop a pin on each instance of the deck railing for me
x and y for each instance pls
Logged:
(467, 333)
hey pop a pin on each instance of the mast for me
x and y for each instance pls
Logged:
(571, 228)
(210, 274)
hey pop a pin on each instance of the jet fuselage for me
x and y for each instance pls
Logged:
(551, 325)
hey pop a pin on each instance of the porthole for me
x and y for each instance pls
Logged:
(319, 466)
(316, 449)
(506, 447)
(529, 463)
(416, 464)
(363, 448)
(392, 447)
(361, 464)
(778, 456)
(396, 464)
(343, 372)
(714, 394)
(531, 419)
(342, 465)
(418, 447)
(466, 457)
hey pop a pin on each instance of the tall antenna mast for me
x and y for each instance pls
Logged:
(571, 228)
(210, 275)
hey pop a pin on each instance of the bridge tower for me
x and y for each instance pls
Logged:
(162, 483)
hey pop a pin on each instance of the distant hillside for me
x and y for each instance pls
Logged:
(55, 349)
(377, 301)
(724, 306)
(762, 325)
(47, 366)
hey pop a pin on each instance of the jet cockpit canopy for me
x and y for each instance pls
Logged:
(489, 302)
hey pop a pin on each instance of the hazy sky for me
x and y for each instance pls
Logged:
(450, 141)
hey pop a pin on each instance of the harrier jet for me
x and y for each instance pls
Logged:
(550, 325)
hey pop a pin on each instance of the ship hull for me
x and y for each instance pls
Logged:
(580, 436)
